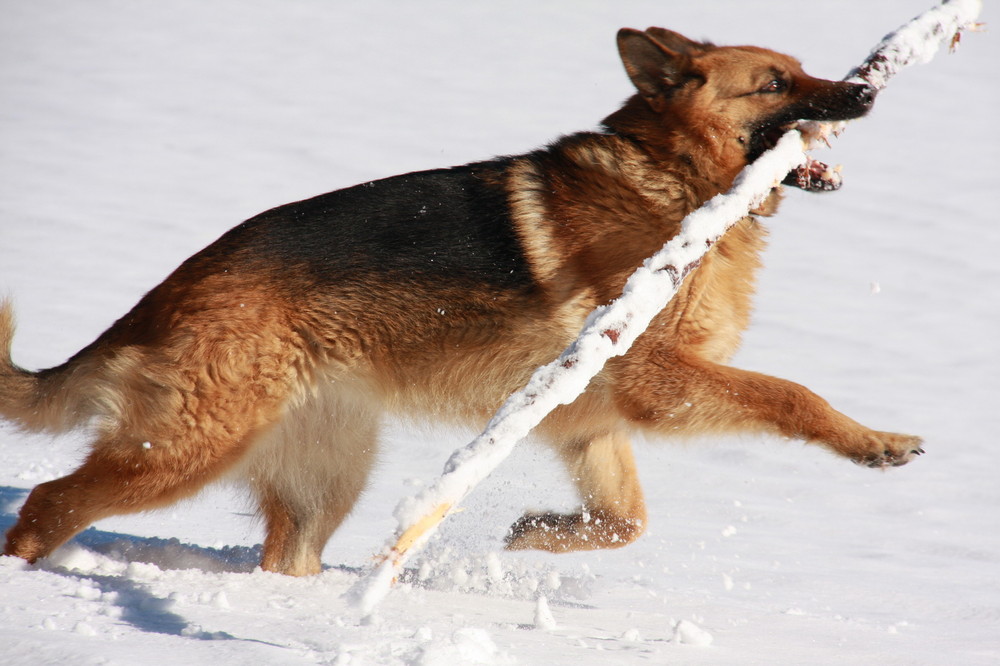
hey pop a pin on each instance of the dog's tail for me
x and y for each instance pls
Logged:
(52, 400)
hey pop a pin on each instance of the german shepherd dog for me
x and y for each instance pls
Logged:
(272, 354)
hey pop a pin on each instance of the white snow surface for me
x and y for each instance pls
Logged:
(134, 133)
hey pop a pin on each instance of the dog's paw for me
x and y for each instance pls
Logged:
(888, 449)
(565, 532)
(541, 531)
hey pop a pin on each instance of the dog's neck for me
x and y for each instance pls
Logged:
(652, 133)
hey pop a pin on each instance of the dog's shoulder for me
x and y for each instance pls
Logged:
(591, 206)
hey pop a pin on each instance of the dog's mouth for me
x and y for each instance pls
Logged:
(816, 117)
(769, 137)
(814, 175)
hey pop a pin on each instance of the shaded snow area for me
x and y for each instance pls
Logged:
(134, 133)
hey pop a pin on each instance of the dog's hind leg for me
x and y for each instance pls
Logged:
(176, 403)
(121, 475)
(307, 473)
(613, 513)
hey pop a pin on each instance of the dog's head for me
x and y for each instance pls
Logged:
(726, 105)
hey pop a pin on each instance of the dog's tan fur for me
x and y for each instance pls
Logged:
(238, 364)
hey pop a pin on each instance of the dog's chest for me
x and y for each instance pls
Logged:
(712, 309)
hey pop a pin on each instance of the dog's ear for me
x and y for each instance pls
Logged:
(675, 41)
(654, 68)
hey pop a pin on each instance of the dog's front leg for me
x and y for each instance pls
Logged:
(692, 396)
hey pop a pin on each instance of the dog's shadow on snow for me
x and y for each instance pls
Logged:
(166, 554)
(138, 606)
(144, 610)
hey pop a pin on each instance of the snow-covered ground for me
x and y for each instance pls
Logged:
(134, 133)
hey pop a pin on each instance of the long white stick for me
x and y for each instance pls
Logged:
(610, 330)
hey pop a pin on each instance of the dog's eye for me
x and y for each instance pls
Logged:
(773, 86)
